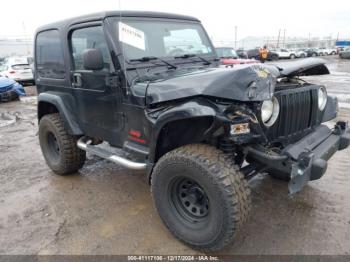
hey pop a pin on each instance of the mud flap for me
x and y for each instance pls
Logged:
(301, 172)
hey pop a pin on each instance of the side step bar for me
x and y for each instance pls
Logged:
(85, 144)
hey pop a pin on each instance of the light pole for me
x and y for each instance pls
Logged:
(235, 37)
(278, 38)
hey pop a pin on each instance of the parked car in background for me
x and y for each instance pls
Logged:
(18, 69)
(334, 51)
(321, 51)
(254, 53)
(10, 89)
(284, 53)
(327, 51)
(229, 57)
(311, 52)
(31, 64)
(345, 53)
(300, 53)
(339, 49)
(241, 53)
(226, 52)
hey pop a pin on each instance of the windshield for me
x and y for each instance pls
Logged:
(158, 38)
(226, 52)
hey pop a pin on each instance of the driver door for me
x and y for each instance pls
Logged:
(95, 94)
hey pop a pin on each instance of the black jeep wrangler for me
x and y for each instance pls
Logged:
(145, 90)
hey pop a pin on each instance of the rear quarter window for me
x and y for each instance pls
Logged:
(49, 55)
(20, 67)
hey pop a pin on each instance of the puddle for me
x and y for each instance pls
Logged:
(7, 119)
(29, 99)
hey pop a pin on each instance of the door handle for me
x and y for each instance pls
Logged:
(77, 80)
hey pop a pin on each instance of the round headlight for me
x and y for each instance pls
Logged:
(322, 98)
(269, 111)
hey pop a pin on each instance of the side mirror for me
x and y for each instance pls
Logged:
(93, 59)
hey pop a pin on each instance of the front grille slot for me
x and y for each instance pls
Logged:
(298, 114)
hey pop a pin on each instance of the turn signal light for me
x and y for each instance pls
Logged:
(238, 129)
(135, 133)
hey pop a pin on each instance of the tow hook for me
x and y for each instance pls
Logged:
(301, 172)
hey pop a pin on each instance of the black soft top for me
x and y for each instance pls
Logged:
(103, 15)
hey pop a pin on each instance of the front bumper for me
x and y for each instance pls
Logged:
(8, 96)
(306, 159)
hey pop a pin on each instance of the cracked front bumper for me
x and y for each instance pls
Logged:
(306, 159)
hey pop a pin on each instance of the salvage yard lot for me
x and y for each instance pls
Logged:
(106, 209)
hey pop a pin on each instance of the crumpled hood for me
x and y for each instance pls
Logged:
(304, 67)
(238, 61)
(242, 83)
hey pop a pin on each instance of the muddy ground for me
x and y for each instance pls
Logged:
(105, 209)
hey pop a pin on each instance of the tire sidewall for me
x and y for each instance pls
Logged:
(45, 128)
(198, 234)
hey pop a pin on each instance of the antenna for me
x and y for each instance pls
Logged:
(123, 53)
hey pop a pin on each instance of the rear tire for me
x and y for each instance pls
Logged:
(292, 56)
(201, 196)
(59, 148)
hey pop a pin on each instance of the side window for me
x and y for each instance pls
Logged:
(87, 38)
(49, 55)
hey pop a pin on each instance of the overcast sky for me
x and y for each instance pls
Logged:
(253, 18)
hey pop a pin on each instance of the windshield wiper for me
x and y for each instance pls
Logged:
(150, 58)
(207, 62)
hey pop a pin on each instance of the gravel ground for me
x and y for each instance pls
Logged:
(105, 209)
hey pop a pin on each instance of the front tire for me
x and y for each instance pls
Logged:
(59, 148)
(201, 196)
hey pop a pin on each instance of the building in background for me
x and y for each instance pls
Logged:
(274, 42)
(342, 43)
(16, 47)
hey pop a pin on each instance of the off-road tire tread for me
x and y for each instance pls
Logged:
(74, 157)
(226, 175)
